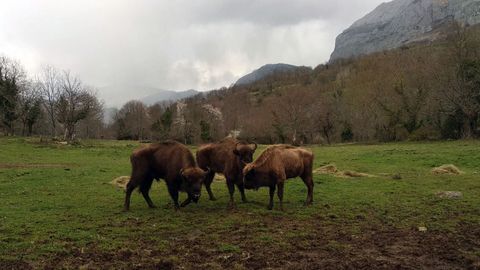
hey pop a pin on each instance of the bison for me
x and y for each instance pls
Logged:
(227, 157)
(276, 164)
(168, 160)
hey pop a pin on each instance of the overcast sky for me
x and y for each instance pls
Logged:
(171, 44)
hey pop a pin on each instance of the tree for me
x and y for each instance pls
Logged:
(205, 131)
(93, 125)
(162, 119)
(133, 121)
(461, 82)
(30, 102)
(167, 120)
(326, 123)
(49, 82)
(292, 115)
(74, 103)
(404, 106)
(12, 78)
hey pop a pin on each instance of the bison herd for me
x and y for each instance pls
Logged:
(174, 162)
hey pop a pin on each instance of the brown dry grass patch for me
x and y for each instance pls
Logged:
(121, 182)
(447, 169)
(333, 170)
(34, 165)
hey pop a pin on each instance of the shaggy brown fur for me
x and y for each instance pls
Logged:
(168, 160)
(227, 157)
(277, 164)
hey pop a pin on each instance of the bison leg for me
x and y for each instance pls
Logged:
(186, 202)
(272, 193)
(130, 188)
(145, 188)
(173, 191)
(280, 186)
(148, 199)
(231, 190)
(208, 182)
(309, 183)
(242, 190)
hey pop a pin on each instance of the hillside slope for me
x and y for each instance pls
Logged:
(264, 72)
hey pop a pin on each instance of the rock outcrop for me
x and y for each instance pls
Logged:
(399, 22)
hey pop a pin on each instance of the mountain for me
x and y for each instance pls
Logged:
(265, 71)
(399, 22)
(166, 95)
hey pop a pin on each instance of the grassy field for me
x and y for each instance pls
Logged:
(59, 210)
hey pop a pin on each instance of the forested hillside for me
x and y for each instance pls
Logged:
(418, 92)
(427, 91)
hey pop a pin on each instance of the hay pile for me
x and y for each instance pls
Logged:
(355, 174)
(121, 181)
(327, 169)
(447, 169)
(450, 194)
(333, 170)
(219, 177)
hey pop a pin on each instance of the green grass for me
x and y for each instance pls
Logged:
(67, 206)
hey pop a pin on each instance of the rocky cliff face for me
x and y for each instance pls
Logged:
(400, 22)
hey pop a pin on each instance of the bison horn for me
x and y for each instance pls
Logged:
(208, 171)
(255, 146)
(182, 171)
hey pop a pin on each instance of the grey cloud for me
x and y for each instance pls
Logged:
(175, 45)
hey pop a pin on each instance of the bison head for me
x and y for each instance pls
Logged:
(245, 152)
(193, 179)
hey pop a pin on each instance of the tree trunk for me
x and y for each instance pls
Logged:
(30, 128)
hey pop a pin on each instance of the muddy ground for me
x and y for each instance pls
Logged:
(323, 247)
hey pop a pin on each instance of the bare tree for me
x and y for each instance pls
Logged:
(50, 87)
(133, 121)
(325, 119)
(292, 114)
(74, 104)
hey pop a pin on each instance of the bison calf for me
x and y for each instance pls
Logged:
(276, 164)
(168, 160)
(227, 157)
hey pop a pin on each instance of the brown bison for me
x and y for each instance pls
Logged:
(227, 157)
(168, 160)
(277, 164)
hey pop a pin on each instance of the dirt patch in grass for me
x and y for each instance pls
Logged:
(15, 264)
(449, 169)
(121, 182)
(295, 245)
(333, 170)
(35, 165)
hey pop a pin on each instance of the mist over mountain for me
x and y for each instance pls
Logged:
(148, 95)
(167, 95)
(400, 22)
